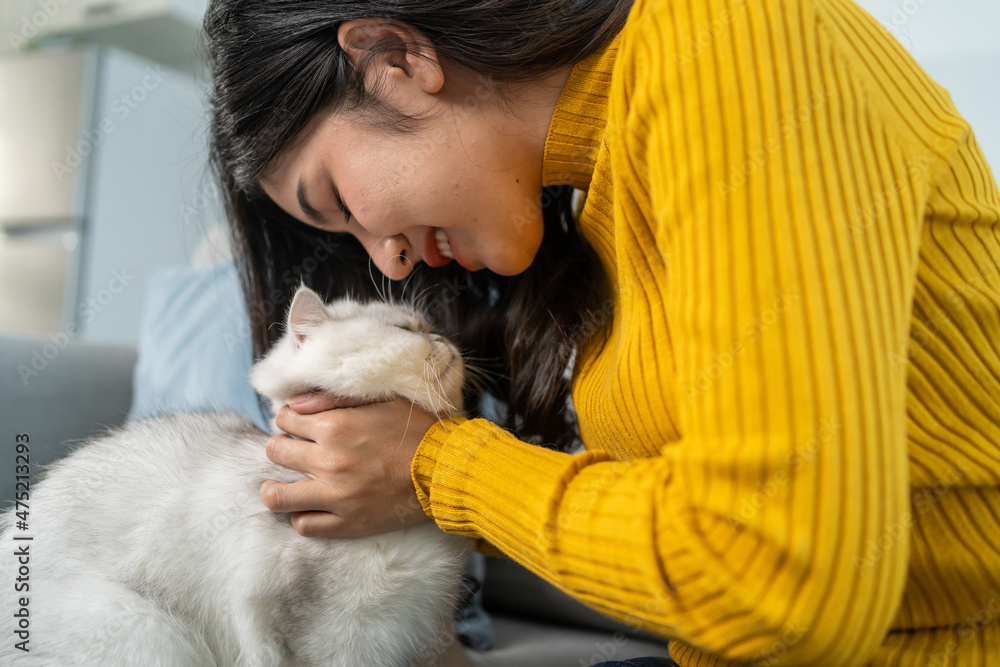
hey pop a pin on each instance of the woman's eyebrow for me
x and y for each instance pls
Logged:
(310, 212)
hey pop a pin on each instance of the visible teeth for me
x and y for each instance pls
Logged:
(442, 243)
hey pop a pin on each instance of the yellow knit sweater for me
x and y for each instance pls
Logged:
(793, 430)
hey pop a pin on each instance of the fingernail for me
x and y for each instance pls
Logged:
(298, 400)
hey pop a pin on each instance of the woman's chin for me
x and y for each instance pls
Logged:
(511, 266)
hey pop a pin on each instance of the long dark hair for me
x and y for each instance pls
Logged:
(276, 64)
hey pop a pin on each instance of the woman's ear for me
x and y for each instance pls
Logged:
(392, 52)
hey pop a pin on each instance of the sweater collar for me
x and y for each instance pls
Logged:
(578, 123)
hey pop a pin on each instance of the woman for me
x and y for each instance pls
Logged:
(784, 309)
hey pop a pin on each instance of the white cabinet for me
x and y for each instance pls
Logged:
(103, 173)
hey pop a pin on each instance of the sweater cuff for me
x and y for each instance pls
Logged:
(432, 450)
(478, 480)
(426, 456)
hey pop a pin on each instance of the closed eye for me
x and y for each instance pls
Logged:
(345, 211)
(415, 327)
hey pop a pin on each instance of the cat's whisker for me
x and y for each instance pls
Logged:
(406, 428)
(427, 384)
(448, 406)
(471, 368)
(440, 395)
(375, 283)
(416, 301)
(424, 384)
(440, 391)
(406, 283)
(387, 289)
(485, 360)
(431, 402)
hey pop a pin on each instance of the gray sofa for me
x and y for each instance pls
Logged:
(61, 394)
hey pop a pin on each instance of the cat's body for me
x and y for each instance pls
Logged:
(151, 546)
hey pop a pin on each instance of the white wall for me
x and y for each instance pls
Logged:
(11, 13)
(956, 43)
(940, 28)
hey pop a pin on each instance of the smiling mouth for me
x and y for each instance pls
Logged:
(443, 245)
(434, 250)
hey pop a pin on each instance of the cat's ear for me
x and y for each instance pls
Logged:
(307, 312)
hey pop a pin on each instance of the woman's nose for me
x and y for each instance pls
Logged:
(393, 255)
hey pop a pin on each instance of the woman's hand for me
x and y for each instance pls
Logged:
(357, 459)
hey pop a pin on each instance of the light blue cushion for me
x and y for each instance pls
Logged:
(195, 347)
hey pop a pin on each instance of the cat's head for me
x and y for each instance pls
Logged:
(364, 351)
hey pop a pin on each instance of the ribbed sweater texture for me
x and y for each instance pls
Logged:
(793, 427)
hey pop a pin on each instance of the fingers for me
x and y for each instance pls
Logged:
(308, 404)
(301, 496)
(315, 426)
(300, 500)
(357, 463)
(318, 524)
(308, 426)
(295, 454)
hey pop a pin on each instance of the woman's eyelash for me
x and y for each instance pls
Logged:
(346, 211)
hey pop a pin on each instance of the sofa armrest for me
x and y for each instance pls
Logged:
(58, 395)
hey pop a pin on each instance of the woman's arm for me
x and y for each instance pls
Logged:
(776, 188)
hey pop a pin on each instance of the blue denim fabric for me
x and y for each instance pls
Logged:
(639, 662)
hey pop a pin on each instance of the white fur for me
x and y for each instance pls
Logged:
(152, 547)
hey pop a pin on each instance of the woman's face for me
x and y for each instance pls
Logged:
(464, 186)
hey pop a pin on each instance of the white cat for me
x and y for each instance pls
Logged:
(151, 545)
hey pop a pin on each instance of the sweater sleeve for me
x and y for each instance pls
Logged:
(778, 206)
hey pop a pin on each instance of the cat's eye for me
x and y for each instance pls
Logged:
(414, 326)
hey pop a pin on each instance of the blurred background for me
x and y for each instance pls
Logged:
(103, 133)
